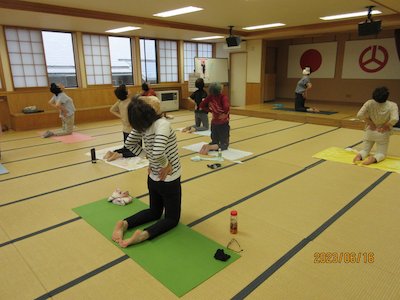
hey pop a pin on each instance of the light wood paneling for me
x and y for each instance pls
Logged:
(253, 93)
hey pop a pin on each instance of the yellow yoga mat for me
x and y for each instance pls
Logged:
(391, 164)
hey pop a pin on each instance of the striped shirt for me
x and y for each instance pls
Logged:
(379, 113)
(160, 146)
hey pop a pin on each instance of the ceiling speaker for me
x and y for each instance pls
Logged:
(369, 28)
(233, 41)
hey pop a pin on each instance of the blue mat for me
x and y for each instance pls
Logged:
(3, 170)
(322, 112)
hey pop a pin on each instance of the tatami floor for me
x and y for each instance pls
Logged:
(293, 210)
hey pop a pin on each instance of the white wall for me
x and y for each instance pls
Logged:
(254, 57)
(253, 48)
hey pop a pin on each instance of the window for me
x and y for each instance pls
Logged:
(25, 50)
(97, 59)
(60, 60)
(204, 50)
(168, 61)
(192, 50)
(121, 60)
(148, 60)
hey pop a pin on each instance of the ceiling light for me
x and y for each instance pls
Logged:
(179, 11)
(208, 38)
(123, 29)
(350, 15)
(263, 26)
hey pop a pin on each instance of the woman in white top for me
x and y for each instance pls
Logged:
(379, 115)
(66, 107)
(164, 179)
(120, 109)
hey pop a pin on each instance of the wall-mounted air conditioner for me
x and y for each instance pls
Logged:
(169, 100)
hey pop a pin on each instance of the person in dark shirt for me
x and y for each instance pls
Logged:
(200, 116)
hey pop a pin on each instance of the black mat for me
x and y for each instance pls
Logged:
(322, 112)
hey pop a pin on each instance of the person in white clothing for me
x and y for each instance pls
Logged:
(66, 107)
(120, 109)
(379, 115)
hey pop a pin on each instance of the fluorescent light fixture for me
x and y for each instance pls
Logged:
(264, 26)
(208, 38)
(179, 11)
(350, 15)
(123, 29)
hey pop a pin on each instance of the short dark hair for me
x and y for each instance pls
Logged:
(215, 88)
(145, 86)
(55, 89)
(199, 83)
(140, 114)
(380, 94)
(121, 92)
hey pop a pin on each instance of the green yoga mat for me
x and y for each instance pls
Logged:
(323, 112)
(180, 259)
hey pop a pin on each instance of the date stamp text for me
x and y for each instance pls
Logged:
(344, 257)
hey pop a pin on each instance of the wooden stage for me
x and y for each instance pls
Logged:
(346, 116)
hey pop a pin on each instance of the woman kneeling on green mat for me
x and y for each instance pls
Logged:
(164, 179)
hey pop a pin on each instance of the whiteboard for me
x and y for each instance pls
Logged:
(212, 69)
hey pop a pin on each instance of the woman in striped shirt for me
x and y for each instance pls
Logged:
(164, 171)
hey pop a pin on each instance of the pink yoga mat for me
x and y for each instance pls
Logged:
(73, 138)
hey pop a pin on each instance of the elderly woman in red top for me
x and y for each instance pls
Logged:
(218, 104)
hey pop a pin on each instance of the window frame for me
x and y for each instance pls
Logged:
(73, 55)
(10, 59)
(176, 61)
(192, 58)
(93, 65)
(156, 58)
(131, 45)
(2, 80)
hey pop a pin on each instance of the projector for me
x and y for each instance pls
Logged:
(369, 27)
(233, 41)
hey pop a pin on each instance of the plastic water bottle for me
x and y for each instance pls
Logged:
(219, 154)
(93, 155)
(234, 223)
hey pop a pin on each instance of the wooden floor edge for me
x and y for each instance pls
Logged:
(299, 117)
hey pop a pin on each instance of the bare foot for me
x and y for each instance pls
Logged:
(119, 231)
(108, 154)
(357, 159)
(204, 150)
(137, 237)
(186, 129)
(370, 160)
(192, 129)
(114, 156)
(313, 110)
